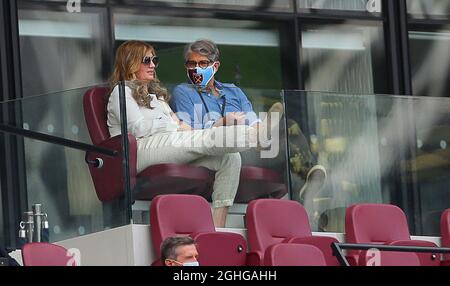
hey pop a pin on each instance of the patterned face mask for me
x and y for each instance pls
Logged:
(201, 77)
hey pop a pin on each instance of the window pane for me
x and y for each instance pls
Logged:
(372, 6)
(429, 8)
(242, 45)
(430, 62)
(251, 5)
(59, 50)
(343, 58)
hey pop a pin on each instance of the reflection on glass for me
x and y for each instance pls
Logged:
(372, 6)
(59, 50)
(429, 8)
(341, 58)
(58, 177)
(360, 140)
(250, 54)
(430, 62)
(432, 128)
(253, 5)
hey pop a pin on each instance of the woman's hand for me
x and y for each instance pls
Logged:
(184, 126)
(232, 118)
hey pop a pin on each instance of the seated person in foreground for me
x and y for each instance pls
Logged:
(179, 251)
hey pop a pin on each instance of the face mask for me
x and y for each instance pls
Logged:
(195, 263)
(201, 77)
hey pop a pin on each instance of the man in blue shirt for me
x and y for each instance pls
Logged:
(205, 103)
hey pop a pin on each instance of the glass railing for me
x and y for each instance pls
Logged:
(52, 138)
(375, 149)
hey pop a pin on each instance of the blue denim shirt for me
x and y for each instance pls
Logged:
(189, 107)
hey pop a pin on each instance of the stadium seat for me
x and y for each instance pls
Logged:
(381, 224)
(172, 215)
(271, 221)
(46, 254)
(154, 180)
(388, 258)
(445, 234)
(256, 183)
(292, 254)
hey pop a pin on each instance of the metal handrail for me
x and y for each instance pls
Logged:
(56, 140)
(338, 247)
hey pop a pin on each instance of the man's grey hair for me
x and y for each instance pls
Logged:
(169, 246)
(203, 47)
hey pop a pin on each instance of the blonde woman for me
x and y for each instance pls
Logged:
(163, 138)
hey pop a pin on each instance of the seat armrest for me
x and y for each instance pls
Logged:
(322, 242)
(255, 258)
(108, 179)
(426, 259)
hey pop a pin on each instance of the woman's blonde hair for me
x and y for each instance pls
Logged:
(129, 57)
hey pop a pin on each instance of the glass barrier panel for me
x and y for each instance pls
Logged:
(59, 177)
(375, 149)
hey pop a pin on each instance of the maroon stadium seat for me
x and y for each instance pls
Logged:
(291, 254)
(445, 233)
(256, 182)
(154, 180)
(172, 215)
(382, 224)
(271, 221)
(46, 254)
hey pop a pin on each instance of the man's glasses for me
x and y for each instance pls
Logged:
(193, 64)
(148, 60)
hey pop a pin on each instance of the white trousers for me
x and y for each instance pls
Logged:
(216, 149)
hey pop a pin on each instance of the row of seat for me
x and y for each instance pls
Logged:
(278, 234)
(273, 226)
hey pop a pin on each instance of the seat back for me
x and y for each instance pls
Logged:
(221, 249)
(94, 105)
(291, 254)
(172, 215)
(445, 231)
(388, 258)
(381, 224)
(270, 221)
(46, 254)
(375, 223)
(108, 180)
